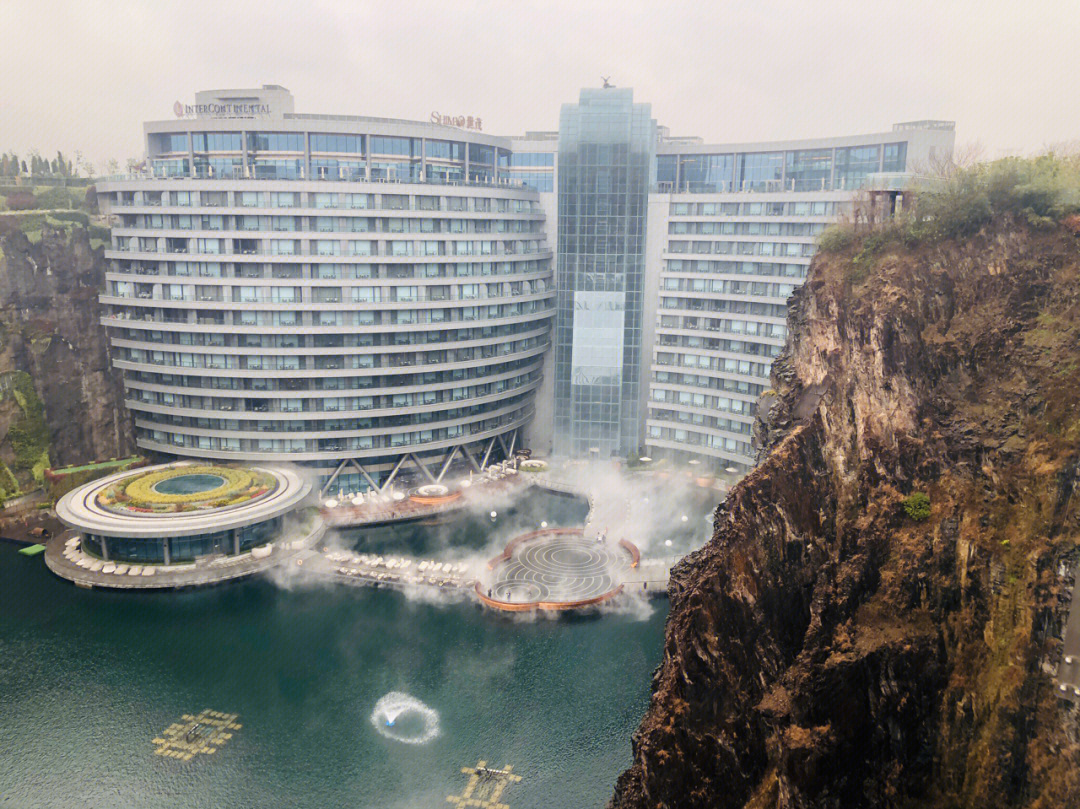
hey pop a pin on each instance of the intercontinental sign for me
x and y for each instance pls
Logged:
(220, 110)
(460, 121)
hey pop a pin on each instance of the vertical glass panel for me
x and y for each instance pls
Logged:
(808, 170)
(759, 171)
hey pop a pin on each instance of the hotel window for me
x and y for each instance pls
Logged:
(403, 147)
(759, 171)
(895, 158)
(356, 200)
(250, 199)
(702, 173)
(282, 199)
(530, 160)
(275, 141)
(481, 154)
(350, 144)
(324, 168)
(808, 170)
(365, 294)
(445, 150)
(170, 168)
(854, 164)
(285, 294)
(173, 142)
(216, 142)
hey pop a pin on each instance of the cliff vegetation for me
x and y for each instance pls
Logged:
(60, 400)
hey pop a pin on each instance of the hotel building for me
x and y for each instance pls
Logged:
(378, 299)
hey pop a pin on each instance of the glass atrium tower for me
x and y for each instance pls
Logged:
(606, 159)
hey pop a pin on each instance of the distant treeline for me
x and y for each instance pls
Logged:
(34, 165)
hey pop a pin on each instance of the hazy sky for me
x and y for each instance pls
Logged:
(86, 74)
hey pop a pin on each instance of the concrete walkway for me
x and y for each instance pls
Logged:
(650, 577)
(397, 572)
(67, 560)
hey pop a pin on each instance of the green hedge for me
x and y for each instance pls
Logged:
(72, 216)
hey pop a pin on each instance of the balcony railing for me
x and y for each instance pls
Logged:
(482, 182)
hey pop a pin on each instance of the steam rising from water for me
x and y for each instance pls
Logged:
(405, 719)
(663, 513)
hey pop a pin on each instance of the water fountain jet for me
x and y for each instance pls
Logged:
(395, 705)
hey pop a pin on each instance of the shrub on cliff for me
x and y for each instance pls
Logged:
(72, 216)
(836, 239)
(1041, 191)
(56, 197)
(29, 435)
(21, 201)
(917, 506)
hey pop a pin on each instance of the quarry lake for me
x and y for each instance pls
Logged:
(90, 679)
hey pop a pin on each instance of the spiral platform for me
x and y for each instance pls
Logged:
(556, 569)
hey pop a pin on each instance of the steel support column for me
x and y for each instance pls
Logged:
(470, 458)
(333, 477)
(393, 473)
(446, 464)
(422, 468)
(487, 454)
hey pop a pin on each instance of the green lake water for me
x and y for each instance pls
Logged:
(89, 678)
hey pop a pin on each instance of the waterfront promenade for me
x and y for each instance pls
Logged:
(548, 568)
(65, 558)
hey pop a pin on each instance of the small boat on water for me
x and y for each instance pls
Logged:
(31, 550)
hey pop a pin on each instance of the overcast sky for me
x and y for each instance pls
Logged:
(86, 74)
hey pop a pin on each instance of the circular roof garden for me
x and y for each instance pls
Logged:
(177, 489)
(181, 498)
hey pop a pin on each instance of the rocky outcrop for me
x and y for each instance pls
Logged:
(825, 649)
(50, 329)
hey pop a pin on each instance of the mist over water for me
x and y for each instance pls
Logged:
(663, 513)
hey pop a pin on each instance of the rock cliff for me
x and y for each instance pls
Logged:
(825, 648)
(54, 355)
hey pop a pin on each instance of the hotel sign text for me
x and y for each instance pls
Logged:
(460, 121)
(220, 110)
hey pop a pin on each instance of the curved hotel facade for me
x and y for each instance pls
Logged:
(361, 296)
(375, 299)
